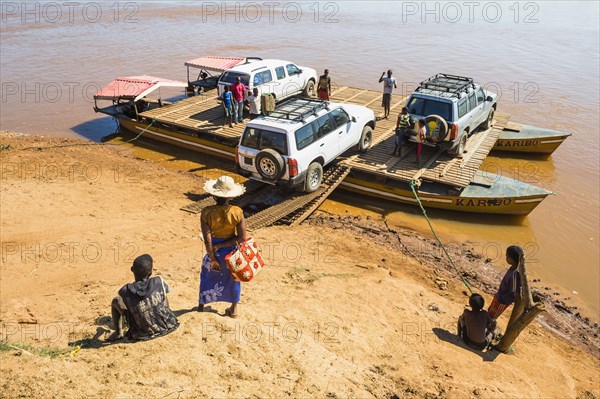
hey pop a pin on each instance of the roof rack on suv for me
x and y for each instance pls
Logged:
(297, 109)
(442, 82)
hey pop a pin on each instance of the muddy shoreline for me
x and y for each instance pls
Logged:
(560, 318)
(373, 306)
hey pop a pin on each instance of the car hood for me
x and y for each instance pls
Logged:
(358, 111)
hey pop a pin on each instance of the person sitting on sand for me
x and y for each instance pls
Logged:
(476, 327)
(223, 226)
(143, 304)
(510, 286)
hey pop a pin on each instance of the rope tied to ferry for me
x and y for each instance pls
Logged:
(142, 132)
(464, 280)
(8, 147)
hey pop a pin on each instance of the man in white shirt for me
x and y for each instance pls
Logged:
(254, 103)
(389, 84)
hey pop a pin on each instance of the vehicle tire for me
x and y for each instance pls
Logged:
(366, 139)
(460, 148)
(488, 122)
(270, 164)
(314, 177)
(309, 90)
(440, 128)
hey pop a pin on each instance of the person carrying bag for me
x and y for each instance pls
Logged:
(223, 226)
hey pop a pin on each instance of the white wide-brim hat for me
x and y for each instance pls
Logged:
(225, 187)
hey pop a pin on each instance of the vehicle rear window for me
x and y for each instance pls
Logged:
(305, 136)
(438, 108)
(415, 106)
(229, 77)
(259, 139)
(425, 107)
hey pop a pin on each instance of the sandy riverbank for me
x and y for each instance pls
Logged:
(346, 308)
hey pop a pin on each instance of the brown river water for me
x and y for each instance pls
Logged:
(542, 58)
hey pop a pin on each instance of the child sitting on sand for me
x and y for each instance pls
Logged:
(143, 304)
(476, 327)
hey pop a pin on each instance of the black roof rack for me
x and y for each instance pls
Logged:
(297, 109)
(446, 83)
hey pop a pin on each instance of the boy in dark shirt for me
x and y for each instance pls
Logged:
(510, 286)
(476, 326)
(143, 304)
(403, 124)
(324, 86)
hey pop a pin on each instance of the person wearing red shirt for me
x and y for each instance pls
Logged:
(238, 89)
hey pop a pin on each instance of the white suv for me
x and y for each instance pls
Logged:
(291, 146)
(282, 79)
(453, 107)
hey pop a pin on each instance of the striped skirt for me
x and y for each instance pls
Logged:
(496, 308)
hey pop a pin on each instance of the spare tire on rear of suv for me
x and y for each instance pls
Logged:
(437, 128)
(269, 164)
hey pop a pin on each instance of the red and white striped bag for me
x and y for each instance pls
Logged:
(245, 261)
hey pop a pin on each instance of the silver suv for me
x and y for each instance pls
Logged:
(453, 107)
(291, 145)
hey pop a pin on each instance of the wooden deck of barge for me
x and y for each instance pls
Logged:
(437, 165)
(204, 115)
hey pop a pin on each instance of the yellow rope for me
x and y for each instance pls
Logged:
(464, 280)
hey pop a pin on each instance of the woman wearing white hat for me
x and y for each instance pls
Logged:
(223, 226)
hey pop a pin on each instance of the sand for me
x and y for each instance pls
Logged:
(343, 309)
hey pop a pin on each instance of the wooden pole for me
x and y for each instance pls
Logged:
(513, 330)
(518, 309)
(524, 312)
(525, 291)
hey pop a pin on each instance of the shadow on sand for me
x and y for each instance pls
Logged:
(447, 336)
(104, 329)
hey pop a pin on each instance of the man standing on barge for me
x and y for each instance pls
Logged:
(238, 89)
(324, 86)
(389, 84)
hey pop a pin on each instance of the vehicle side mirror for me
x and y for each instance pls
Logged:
(354, 119)
(299, 71)
(489, 98)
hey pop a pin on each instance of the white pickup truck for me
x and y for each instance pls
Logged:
(282, 79)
